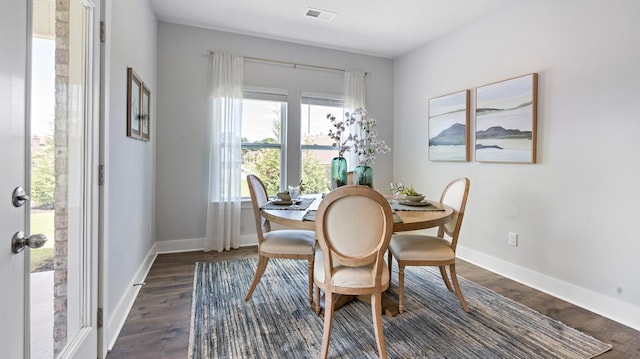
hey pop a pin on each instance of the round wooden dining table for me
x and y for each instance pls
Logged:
(410, 220)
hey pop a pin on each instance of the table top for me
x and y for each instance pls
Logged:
(411, 220)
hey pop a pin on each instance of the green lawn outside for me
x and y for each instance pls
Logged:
(42, 222)
(39, 257)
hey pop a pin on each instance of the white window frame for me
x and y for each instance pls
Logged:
(319, 99)
(271, 94)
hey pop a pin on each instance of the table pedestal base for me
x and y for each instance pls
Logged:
(389, 305)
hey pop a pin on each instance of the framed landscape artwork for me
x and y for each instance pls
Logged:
(138, 107)
(448, 127)
(134, 86)
(506, 114)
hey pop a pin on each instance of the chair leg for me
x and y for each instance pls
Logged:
(389, 263)
(310, 262)
(328, 319)
(400, 287)
(262, 265)
(454, 277)
(376, 312)
(318, 298)
(445, 278)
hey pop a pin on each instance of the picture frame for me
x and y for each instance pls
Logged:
(145, 117)
(506, 119)
(449, 118)
(134, 88)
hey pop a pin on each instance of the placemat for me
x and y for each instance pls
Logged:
(306, 202)
(404, 207)
(311, 217)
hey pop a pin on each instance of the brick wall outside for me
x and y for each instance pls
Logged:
(61, 141)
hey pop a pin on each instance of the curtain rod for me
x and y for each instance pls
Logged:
(294, 64)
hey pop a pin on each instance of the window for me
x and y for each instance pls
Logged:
(264, 117)
(264, 126)
(316, 146)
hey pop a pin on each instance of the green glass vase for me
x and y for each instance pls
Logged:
(363, 175)
(338, 172)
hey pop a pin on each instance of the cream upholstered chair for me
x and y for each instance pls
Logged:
(354, 225)
(285, 243)
(424, 250)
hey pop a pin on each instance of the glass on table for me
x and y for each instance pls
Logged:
(396, 189)
(294, 192)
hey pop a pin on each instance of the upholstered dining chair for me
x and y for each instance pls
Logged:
(284, 243)
(426, 250)
(354, 225)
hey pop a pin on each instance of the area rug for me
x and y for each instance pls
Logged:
(277, 321)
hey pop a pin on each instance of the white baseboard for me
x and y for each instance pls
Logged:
(611, 308)
(117, 319)
(197, 244)
(180, 245)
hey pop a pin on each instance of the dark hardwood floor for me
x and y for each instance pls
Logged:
(158, 325)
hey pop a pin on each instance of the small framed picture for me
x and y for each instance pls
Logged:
(506, 115)
(134, 89)
(145, 116)
(449, 127)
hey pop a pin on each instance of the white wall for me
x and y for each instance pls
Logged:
(129, 164)
(576, 210)
(183, 115)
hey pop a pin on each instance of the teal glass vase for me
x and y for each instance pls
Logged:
(363, 175)
(338, 172)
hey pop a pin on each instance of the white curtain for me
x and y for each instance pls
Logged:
(223, 212)
(354, 98)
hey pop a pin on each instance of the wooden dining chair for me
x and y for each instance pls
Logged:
(426, 250)
(354, 225)
(284, 243)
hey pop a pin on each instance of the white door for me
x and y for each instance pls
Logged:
(13, 71)
(76, 121)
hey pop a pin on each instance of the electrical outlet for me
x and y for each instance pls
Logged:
(513, 239)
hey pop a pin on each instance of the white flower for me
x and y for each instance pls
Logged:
(338, 141)
(365, 141)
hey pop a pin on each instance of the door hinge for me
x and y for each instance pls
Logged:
(99, 317)
(100, 175)
(103, 32)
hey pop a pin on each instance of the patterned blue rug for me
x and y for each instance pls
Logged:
(277, 321)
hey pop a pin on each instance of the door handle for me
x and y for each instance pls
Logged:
(19, 241)
(19, 197)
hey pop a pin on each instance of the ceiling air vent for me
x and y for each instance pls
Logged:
(320, 14)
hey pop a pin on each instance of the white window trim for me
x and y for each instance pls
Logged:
(274, 94)
(339, 100)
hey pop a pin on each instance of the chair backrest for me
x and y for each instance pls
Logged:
(455, 195)
(259, 198)
(354, 225)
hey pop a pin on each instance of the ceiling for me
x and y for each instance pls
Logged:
(375, 27)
